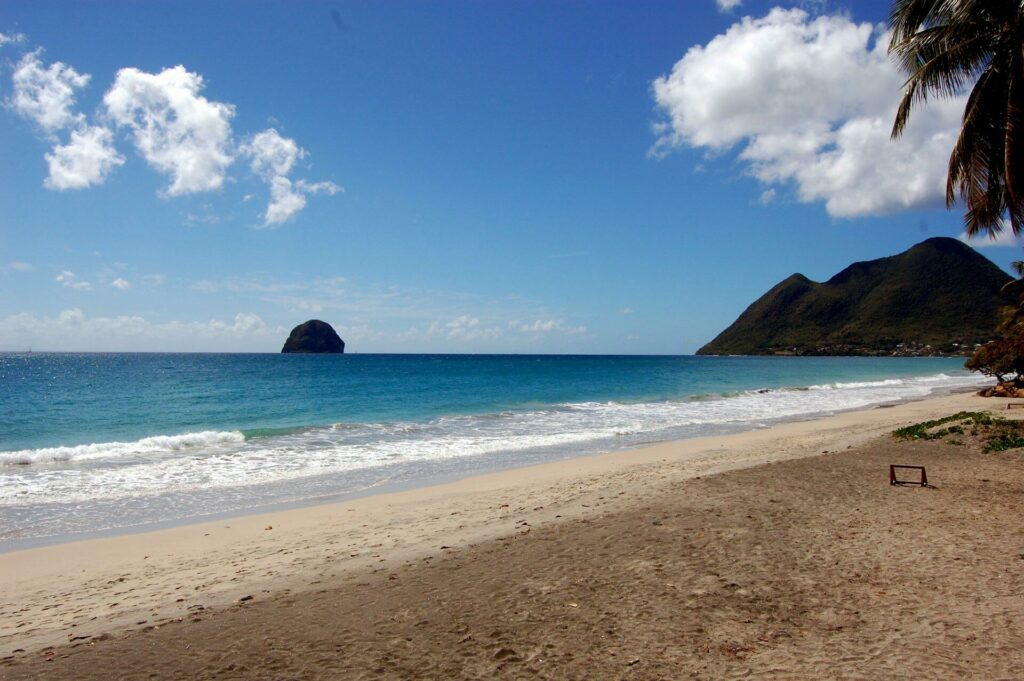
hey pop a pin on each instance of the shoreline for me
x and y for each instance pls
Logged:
(491, 464)
(96, 587)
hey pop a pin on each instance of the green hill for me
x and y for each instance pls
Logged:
(939, 293)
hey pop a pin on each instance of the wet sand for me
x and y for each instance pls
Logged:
(747, 555)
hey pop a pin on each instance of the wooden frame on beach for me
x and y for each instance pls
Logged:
(893, 480)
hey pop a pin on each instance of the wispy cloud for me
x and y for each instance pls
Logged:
(68, 279)
(394, 314)
(541, 326)
(74, 329)
(1005, 239)
(11, 39)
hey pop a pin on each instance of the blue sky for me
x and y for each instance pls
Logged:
(444, 177)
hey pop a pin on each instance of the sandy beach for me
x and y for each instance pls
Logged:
(779, 553)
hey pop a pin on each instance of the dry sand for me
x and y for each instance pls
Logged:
(636, 564)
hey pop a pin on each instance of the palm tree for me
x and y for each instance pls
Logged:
(945, 45)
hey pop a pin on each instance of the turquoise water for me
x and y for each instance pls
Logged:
(97, 441)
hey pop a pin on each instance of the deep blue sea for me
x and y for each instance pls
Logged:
(98, 442)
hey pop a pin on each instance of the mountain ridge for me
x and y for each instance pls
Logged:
(938, 297)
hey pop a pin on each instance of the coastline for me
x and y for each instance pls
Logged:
(79, 591)
(186, 500)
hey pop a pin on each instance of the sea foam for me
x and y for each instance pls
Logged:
(120, 450)
(212, 460)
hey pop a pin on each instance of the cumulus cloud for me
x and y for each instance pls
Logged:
(177, 131)
(70, 280)
(809, 101)
(272, 158)
(547, 326)
(728, 5)
(271, 154)
(86, 160)
(121, 284)
(46, 94)
(18, 266)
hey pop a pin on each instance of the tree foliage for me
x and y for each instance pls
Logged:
(945, 46)
(1003, 358)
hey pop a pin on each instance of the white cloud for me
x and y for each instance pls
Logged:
(121, 284)
(271, 154)
(46, 95)
(728, 5)
(177, 131)
(811, 100)
(247, 323)
(18, 266)
(465, 327)
(547, 326)
(72, 317)
(1005, 239)
(69, 280)
(74, 329)
(285, 202)
(272, 158)
(11, 38)
(626, 310)
(767, 197)
(86, 160)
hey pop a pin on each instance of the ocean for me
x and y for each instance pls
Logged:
(101, 443)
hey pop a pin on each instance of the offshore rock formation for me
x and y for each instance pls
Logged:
(940, 297)
(314, 337)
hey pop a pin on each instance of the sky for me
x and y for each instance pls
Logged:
(530, 177)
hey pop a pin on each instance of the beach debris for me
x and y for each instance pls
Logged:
(268, 527)
(633, 661)
(243, 599)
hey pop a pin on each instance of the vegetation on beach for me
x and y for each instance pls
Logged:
(997, 434)
(1003, 358)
